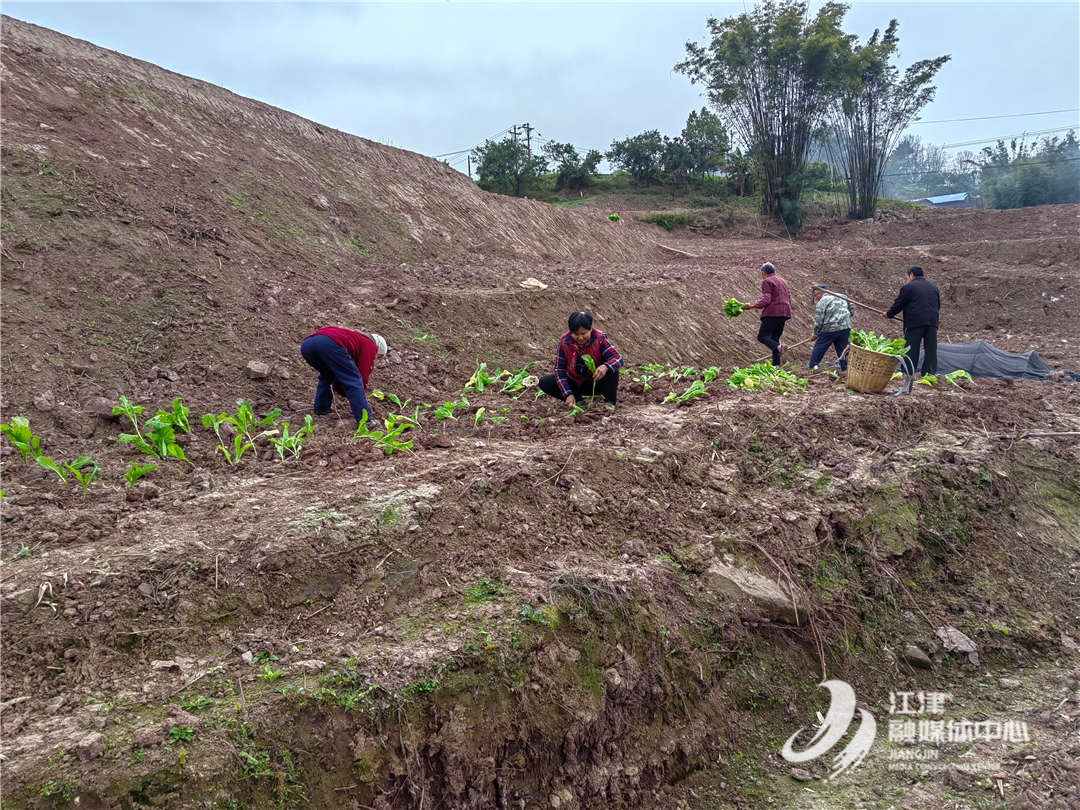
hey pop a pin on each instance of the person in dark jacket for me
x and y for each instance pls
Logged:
(775, 306)
(920, 301)
(572, 379)
(344, 359)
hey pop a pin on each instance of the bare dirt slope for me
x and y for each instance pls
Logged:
(530, 610)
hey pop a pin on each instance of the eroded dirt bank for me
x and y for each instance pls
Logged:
(504, 620)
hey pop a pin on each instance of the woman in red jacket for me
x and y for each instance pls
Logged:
(344, 359)
(572, 379)
(775, 306)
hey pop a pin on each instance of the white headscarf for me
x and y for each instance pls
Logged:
(380, 344)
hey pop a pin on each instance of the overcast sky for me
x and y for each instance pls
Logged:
(436, 78)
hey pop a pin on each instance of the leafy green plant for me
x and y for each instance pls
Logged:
(519, 380)
(196, 704)
(590, 364)
(269, 674)
(245, 425)
(49, 464)
(248, 423)
(159, 439)
(958, 376)
(22, 437)
(255, 767)
(696, 389)
(733, 307)
(293, 442)
(928, 379)
(83, 469)
(179, 416)
(879, 343)
(765, 376)
(389, 436)
(484, 415)
(161, 436)
(534, 616)
(181, 734)
(240, 445)
(136, 471)
(710, 374)
(393, 398)
(614, 217)
(447, 411)
(482, 379)
(680, 372)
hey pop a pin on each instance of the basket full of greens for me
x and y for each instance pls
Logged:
(872, 360)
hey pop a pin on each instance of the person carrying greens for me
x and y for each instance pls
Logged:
(581, 350)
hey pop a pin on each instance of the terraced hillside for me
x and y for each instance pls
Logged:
(526, 608)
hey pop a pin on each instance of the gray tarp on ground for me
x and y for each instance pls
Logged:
(980, 359)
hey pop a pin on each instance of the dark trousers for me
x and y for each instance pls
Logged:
(335, 366)
(927, 335)
(770, 332)
(608, 387)
(839, 339)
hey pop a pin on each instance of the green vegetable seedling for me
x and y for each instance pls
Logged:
(25, 440)
(387, 438)
(136, 471)
(293, 442)
(84, 469)
(591, 365)
(49, 464)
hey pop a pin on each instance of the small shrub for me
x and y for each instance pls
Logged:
(669, 222)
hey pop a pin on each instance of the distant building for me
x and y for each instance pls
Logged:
(962, 200)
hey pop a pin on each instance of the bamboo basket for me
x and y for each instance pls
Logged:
(869, 372)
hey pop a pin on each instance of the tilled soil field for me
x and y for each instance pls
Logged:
(524, 608)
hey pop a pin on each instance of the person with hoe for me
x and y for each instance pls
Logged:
(832, 325)
(920, 301)
(775, 306)
(586, 364)
(344, 359)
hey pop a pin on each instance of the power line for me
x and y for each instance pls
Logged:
(1006, 137)
(989, 117)
(980, 167)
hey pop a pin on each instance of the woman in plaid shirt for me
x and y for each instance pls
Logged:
(572, 379)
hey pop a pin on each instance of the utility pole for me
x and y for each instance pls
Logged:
(528, 137)
(468, 164)
(514, 132)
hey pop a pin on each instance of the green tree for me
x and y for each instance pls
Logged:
(641, 156)
(678, 164)
(1047, 173)
(507, 167)
(707, 140)
(741, 170)
(574, 171)
(872, 109)
(771, 74)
